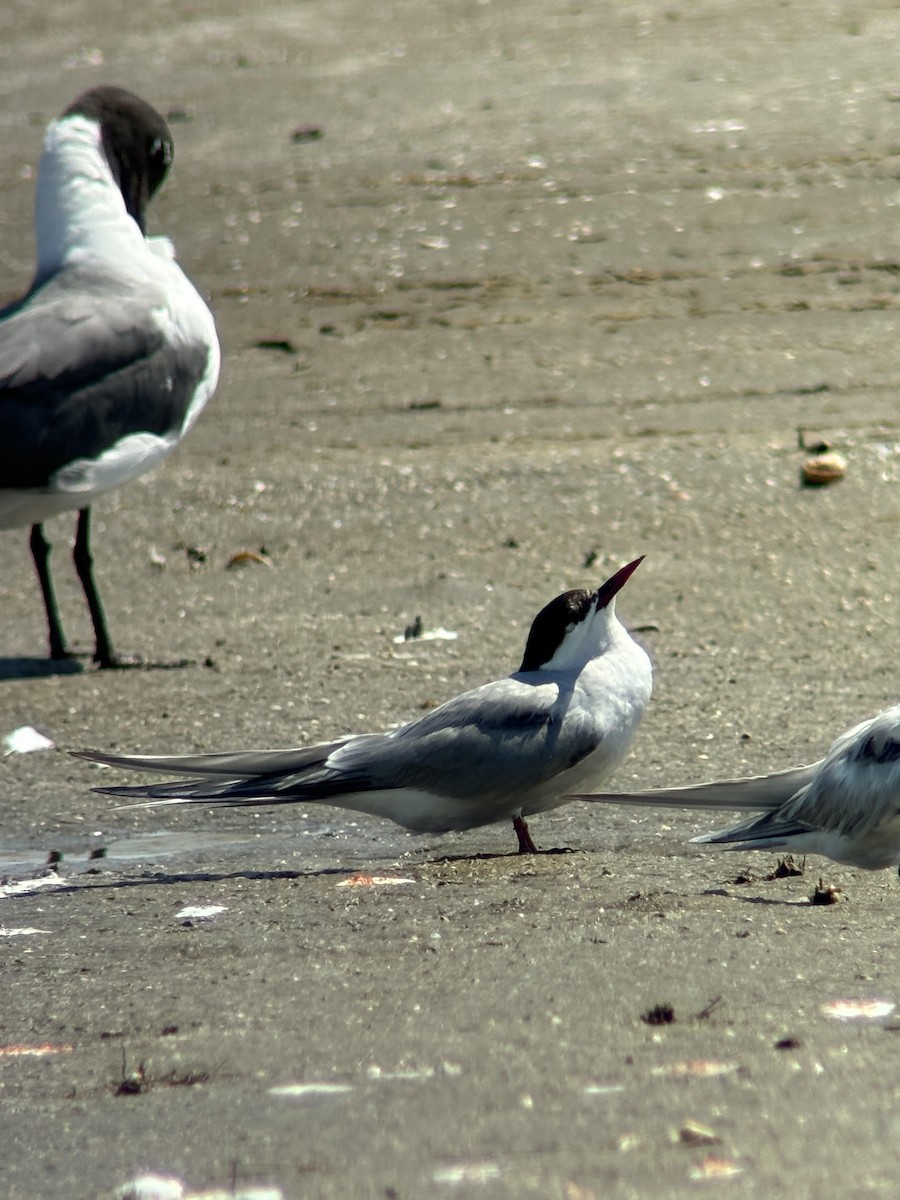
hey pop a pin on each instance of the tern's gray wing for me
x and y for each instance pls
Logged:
(500, 739)
(759, 791)
(83, 363)
(857, 786)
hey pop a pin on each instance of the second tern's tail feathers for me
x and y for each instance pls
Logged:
(761, 792)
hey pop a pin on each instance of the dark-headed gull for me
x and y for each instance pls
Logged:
(108, 359)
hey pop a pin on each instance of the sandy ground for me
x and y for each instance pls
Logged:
(509, 293)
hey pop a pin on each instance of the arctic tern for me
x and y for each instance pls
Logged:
(846, 806)
(505, 750)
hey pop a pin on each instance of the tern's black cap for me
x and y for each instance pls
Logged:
(549, 627)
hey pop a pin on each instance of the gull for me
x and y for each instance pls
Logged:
(506, 750)
(845, 807)
(108, 359)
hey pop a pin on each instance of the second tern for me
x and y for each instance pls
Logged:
(845, 807)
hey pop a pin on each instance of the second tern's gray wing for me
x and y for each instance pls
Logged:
(857, 786)
(850, 810)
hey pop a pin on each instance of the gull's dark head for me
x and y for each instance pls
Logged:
(135, 139)
(574, 628)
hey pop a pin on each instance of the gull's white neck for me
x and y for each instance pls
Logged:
(79, 211)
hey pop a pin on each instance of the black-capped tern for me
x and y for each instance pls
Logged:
(506, 750)
(846, 806)
(108, 359)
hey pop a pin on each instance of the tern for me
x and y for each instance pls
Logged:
(506, 750)
(845, 807)
(109, 357)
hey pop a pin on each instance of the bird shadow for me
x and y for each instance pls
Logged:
(96, 879)
(488, 856)
(88, 880)
(23, 667)
(38, 668)
(769, 901)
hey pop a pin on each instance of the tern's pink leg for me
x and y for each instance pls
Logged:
(526, 845)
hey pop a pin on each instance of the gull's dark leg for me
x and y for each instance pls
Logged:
(526, 845)
(84, 565)
(40, 552)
